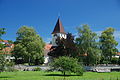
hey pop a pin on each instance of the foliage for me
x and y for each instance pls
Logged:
(1, 47)
(67, 64)
(65, 47)
(9, 66)
(29, 46)
(2, 31)
(89, 50)
(37, 69)
(5, 65)
(2, 63)
(2, 58)
(10, 41)
(114, 60)
(119, 61)
(108, 44)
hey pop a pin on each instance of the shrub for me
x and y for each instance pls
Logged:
(2, 63)
(37, 69)
(119, 61)
(114, 60)
(9, 66)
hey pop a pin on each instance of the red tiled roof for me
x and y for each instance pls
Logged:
(58, 27)
(47, 49)
(3, 41)
(8, 48)
(118, 53)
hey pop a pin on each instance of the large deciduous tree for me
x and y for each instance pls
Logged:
(65, 47)
(88, 47)
(108, 44)
(29, 46)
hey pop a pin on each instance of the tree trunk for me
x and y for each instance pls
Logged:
(29, 61)
(64, 73)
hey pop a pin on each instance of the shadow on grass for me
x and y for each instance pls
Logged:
(5, 77)
(60, 75)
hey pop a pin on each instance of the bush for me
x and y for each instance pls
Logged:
(67, 64)
(119, 61)
(9, 66)
(2, 63)
(10, 69)
(114, 60)
(37, 69)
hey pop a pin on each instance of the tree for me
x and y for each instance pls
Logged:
(65, 47)
(2, 62)
(67, 64)
(2, 31)
(2, 58)
(88, 47)
(108, 44)
(29, 46)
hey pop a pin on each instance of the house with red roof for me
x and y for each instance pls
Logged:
(8, 49)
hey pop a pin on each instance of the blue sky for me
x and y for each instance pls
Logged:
(43, 14)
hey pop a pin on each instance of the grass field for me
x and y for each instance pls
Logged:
(41, 75)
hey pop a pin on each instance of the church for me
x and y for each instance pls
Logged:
(57, 32)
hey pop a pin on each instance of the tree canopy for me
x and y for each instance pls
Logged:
(88, 47)
(2, 31)
(65, 47)
(108, 44)
(2, 58)
(67, 64)
(29, 46)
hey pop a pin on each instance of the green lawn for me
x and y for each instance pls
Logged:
(41, 75)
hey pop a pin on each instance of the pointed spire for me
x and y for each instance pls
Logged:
(58, 27)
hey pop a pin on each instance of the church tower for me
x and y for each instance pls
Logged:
(58, 32)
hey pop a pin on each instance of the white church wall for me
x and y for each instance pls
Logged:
(54, 37)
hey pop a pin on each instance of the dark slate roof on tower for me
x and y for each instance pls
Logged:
(58, 27)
